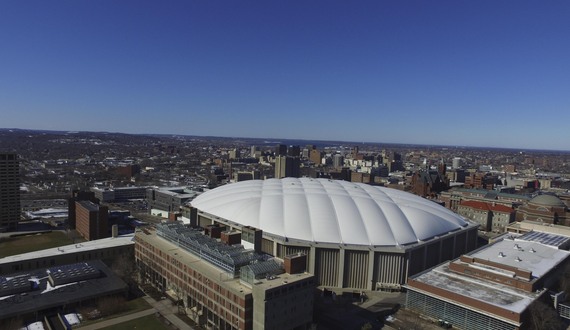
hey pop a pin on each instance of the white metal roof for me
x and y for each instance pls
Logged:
(72, 248)
(536, 257)
(330, 211)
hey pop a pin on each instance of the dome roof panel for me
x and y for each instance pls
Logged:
(349, 221)
(377, 227)
(427, 225)
(321, 210)
(330, 211)
(298, 216)
(271, 214)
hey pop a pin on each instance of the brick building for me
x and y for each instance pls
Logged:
(429, 183)
(315, 156)
(221, 285)
(77, 196)
(91, 220)
(480, 180)
(546, 209)
(128, 170)
(490, 216)
(454, 197)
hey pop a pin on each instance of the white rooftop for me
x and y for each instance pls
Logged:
(84, 246)
(48, 213)
(330, 211)
(499, 295)
(533, 256)
(510, 252)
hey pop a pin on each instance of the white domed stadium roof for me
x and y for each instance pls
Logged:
(329, 211)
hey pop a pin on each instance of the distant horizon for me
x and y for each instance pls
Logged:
(279, 140)
(464, 73)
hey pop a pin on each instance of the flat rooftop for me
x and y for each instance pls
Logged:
(516, 253)
(45, 296)
(281, 279)
(89, 205)
(48, 213)
(220, 276)
(502, 296)
(180, 192)
(532, 256)
(557, 241)
(73, 248)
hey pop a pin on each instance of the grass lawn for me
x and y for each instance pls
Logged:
(137, 305)
(149, 322)
(23, 244)
(133, 306)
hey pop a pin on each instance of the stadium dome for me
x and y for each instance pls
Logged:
(329, 211)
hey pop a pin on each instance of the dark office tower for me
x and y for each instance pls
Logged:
(280, 150)
(9, 190)
(287, 167)
(294, 151)
(77, 196)
(441, 167)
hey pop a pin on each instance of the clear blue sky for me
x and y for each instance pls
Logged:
(475, 73)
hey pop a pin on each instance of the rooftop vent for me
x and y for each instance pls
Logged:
(532, 250)
(518, 259)
(501, 255)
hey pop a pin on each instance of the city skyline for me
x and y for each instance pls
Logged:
(482, 74)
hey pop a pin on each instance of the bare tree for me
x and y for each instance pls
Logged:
(124, 266)
(544, 317)
(112, 305)
(15, 323)
(565, 280)
(367, 326)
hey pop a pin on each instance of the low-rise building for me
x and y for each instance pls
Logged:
(490, 216)
(56, 289)
(162, 201)
(119, 194)
(107, 250)
(544, 208)
(223, 285)
(493, 287)
(454, 197)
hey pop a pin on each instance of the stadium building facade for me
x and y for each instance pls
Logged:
(354, 236)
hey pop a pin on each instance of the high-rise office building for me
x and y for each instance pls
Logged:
(77, 196)
(294, 151)
(9, 190)
(338, 161)
(255, 152)
(92, 220)
(280, 150)
(286, 166)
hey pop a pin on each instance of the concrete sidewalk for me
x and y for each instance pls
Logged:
(168, 310)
